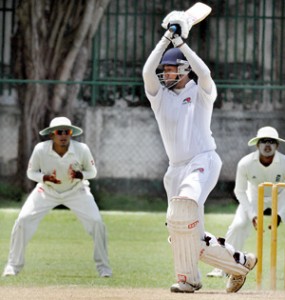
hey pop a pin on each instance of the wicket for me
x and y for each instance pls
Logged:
(273, 253)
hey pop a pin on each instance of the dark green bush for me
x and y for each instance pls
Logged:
(10, 192)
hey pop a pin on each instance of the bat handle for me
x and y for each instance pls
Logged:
(172, 28)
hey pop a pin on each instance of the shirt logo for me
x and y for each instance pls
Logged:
(201, 170)
(186, 100)
(278, 177)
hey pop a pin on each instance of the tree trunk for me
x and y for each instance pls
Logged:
(53, 41)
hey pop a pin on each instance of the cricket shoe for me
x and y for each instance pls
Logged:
(105, 273)
(182, 287)
(250, 261)
(218, 273)
(236, 282)
(9, 271)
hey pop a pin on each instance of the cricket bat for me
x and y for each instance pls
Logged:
(197, 13)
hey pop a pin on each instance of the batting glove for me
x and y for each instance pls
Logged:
(182, 22)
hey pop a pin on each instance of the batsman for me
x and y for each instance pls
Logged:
(182, 98)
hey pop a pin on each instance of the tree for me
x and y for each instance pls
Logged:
(53, 41)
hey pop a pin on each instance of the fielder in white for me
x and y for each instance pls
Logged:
(62, 168)
(183, 109)
(265, 164)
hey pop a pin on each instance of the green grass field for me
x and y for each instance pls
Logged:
(60, 253)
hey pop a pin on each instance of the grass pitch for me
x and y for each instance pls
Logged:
(60, 253)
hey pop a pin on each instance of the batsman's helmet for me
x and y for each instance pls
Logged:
(174, 57)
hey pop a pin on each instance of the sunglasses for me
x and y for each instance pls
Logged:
(63, 132)
(269, 141)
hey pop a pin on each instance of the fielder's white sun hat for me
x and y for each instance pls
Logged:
(265, 132)
(61, 123)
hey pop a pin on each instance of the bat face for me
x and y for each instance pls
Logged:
(195, 14)
(198, 12)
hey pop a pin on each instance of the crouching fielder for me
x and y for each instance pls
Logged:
(182, 98)
(61, 167)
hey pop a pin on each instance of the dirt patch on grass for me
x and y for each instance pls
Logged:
(78, 293)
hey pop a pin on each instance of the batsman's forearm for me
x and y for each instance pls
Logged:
(151, 81)
(199, 67)
(196, 63)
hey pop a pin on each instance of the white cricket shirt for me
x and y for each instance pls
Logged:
(44, 160)
(250, 173)
(183, 118)
(184, 121)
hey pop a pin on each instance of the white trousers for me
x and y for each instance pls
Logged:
(194, 180)
(38, 204)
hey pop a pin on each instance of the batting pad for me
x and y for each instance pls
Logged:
(182, 225)
(221, 257)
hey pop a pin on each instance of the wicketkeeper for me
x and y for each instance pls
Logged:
(265, 164)
(183, 109)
